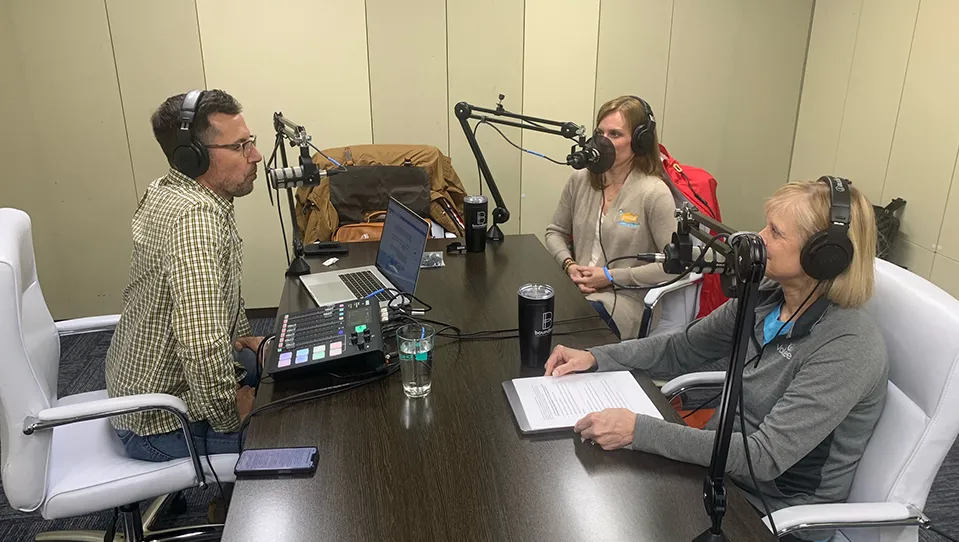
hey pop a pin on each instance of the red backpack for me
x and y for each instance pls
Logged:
(698, 187)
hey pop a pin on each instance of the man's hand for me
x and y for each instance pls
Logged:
(592, 277)
(253, 343)
(245, 397)
(567, 360)
(611, 428)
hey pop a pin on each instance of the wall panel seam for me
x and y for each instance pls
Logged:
(669, 52)
(369, 67)
(802, 84)
(199, 37)
(123, 113)
(902, 90)
(845, 98)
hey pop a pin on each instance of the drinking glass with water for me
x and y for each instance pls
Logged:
(415, 345)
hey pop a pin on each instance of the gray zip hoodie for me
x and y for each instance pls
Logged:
(811, 402)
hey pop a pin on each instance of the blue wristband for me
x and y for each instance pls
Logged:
(609, 276)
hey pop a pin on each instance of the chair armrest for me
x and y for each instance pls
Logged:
(49, 418)
(90, 324)
(704, 379)
(112, 406)
(845, 516)
(655, 294)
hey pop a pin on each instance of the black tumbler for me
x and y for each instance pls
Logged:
(535, 324)
(476, 209)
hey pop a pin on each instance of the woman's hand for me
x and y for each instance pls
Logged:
(612, 428)
(567, 360)
(593, 278)
(575, 273)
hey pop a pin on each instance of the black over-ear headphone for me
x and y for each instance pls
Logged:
(829, 252)
(644, 135)
(190, 157)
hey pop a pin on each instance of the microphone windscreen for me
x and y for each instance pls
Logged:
(607, 154)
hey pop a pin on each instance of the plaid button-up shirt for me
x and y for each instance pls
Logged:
(182, 309)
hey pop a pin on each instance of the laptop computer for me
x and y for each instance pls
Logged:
(398, 260)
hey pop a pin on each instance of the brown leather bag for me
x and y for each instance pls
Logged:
(371, 230)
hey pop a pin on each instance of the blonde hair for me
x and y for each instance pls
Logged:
(634, 114)
(808, 203)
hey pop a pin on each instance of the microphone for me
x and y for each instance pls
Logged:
(597, 155)
(713, 262)
(305, 174)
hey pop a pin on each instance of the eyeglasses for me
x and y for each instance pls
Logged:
(244, 147)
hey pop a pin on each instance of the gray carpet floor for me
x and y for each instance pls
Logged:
(81, 370)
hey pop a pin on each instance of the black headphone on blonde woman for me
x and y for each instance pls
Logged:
(644, 135)
(829, 252)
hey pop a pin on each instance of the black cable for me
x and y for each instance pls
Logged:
(749, 462)
(602, 204)
(259, 357)
(270, 163)
(940, 533)
(307, 396)
(206, 452)
(534, 153)
(700, 407)
(742, 409)
(479, 174)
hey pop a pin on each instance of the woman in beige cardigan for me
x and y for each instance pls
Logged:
(627, 210)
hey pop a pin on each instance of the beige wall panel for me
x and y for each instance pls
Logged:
(157, 48)
(486, 60)
(266, 75)
(553, 90)
(826, 81)
(913, 257)
(85, 196)
(875, 86)
(18, 150)
(634, 52)
(945, 274)
(927, 133)
(732, 96)
(407, 67)
(949, 233)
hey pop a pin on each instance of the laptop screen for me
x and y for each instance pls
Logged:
(401, 246)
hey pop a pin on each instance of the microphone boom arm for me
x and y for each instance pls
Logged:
(465, 111)
(745, 264)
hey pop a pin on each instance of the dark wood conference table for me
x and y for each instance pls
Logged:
(453, 465)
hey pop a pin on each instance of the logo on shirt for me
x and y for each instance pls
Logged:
(630, 220)
(785, 350)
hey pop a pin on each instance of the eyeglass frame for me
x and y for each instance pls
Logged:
(237, 147)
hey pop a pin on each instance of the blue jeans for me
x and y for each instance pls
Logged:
(172, 445)
(604, 315)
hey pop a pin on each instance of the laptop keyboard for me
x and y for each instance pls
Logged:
(364, 283)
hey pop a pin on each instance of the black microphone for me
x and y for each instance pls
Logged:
(597, 155)
(713, 261)
(305, 174)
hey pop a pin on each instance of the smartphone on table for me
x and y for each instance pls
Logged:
(274, 461)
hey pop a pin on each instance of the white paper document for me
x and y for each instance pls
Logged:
(550, 402)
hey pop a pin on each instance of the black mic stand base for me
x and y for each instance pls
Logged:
(494, 233)
(298, 267)
(709, 536)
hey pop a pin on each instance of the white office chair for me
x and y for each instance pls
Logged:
(919, 422)
(680, 304)
(60, 455)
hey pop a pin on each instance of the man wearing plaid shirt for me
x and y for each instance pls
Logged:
(184, 330)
